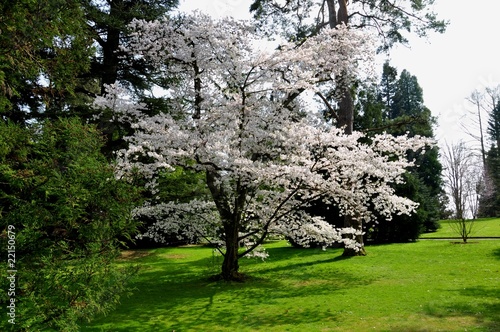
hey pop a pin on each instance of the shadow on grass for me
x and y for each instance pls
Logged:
(176, 295)
(496, 253)
(483, 306)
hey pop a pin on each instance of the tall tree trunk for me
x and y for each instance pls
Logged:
(342, 12)
(345, 111)
(109, 74)
(110, 59)
(231, 223)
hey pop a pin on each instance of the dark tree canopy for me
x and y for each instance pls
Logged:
(398, 109)
(107, 21)
(57, 55)
(494, 125)
(388, 88)
(69, 214)
(490, 200)
(392, 20)
(43, 49)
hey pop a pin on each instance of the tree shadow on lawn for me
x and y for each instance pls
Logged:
(496, 253)
(178, 296)
(483, 306)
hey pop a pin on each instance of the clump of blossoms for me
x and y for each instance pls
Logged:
(239, 117)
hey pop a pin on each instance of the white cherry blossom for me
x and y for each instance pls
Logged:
(239, 117)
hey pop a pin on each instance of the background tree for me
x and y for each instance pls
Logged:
(478, 100)
(458, 159)
(298, 20)
(388, 88)
(69, 214)
(462, 180)
(493, 128)
(490, 204)
(486, 105)
(57, 55)
(43, 48)
(107, 21)
(400, 104)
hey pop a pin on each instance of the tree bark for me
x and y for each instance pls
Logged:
(332, 13)
(231, 223)
(345, 112)
(342, 13)
(230, 266)
(110, 59)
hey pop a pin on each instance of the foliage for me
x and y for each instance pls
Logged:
(181, 186)
(396, 106)
(398, 287)
(43, 50)
(239, 119)
(392, 21)
(490, 202)
(69, 214)
(107, 24)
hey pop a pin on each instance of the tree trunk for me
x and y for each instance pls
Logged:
(231, 223)
(230, 264)
(345, 112)
(110, 59)
(342, 13)
(358, 225)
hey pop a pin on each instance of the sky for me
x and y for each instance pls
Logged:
(448, 67)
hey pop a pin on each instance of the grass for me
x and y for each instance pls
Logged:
(487, 227)
(422, 286)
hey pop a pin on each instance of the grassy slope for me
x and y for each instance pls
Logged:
(481, 228)
(423, 286)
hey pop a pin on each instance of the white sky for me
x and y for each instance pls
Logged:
(448, 66)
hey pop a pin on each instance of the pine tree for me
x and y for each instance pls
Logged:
(402, 100)
(44, 49)
(388, 88)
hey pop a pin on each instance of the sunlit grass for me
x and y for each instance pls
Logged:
(423, 286)
(481, 228)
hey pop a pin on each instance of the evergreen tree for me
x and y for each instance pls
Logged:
(402, 101)
(59, 196)
(107, 23)
(408, 99)
(490, 200)
(369, 109)
(388, 88)
(494, 125)
(44, 48)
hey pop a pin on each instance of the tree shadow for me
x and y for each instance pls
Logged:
(483, 307)
(496, 253)
(176, 296)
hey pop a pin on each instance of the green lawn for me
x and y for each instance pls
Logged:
(481, 228)
(422, 286)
